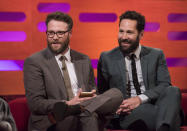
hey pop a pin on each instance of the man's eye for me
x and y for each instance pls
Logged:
(131, 32)
(60, 32)
(51, 32)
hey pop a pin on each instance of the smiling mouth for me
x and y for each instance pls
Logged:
(125, 43)
(55, 43)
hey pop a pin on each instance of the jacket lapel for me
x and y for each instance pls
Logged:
(122, 71)
(55, 71)
(79, 66)
(144, 65)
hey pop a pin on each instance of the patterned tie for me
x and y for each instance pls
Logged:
(134, 75)
(66, 78)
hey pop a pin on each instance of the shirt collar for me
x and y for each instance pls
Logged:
(67, 55)
(137, 52)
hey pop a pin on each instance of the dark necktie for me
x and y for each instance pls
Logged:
(134, 75)
(66, 78)
(128, 89)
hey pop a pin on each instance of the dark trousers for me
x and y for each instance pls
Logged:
(98, 111)
(150, 116)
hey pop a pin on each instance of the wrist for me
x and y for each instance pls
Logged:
(68, 102)
(143, 98)
(139, 99)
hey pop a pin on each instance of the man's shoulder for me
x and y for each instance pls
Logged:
(78, 55)
(111, 52)
(37, 55)
(151, 50)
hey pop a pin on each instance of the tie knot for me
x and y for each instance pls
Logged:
(62, 58)
(132, 56)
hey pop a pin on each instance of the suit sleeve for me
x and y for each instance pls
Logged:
(102, 75)
(34, 85)
(162, 78)
(91, 83)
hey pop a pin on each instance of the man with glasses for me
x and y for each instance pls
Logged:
(60, 87)
(150, 102)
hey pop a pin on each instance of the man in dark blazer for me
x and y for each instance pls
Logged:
(46, 84)
(150, 102)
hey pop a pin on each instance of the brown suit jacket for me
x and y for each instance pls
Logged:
(44, 83)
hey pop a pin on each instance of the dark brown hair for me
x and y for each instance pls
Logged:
(133, 15)
(60, 16)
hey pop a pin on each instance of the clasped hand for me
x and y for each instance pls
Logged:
(128, 105)
(78, 100)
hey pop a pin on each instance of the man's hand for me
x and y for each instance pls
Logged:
(78, 100)
(128, 105)
(94, 93)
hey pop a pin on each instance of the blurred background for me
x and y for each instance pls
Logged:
(22, 32)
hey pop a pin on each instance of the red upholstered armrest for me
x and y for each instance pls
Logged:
(20, 113)
(184, 102)
(184, 107)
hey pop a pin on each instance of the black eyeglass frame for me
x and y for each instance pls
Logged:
(59, 34)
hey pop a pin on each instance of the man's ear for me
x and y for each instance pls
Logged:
(141, 34)
(70, 33)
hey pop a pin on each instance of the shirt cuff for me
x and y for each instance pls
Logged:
(143, 98)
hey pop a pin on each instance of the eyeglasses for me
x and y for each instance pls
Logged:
(59, 34)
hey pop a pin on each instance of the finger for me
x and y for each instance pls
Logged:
(124, 106)
(94, 95)
(87, 98)
(118, 111)
(77, 102)
(93, 91)
(126, 110)
(84, 99)
(79, 92)
(73, 101)
(125, 101)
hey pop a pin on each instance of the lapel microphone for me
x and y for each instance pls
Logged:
(63, 67)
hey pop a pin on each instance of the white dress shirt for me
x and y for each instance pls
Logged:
(143, 97)
(71, 71)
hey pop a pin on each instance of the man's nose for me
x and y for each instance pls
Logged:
(55, 36)
(124, 36)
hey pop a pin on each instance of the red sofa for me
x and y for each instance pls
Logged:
(21, 112)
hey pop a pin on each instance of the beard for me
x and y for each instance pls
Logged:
(133, 45)
(63, 47)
